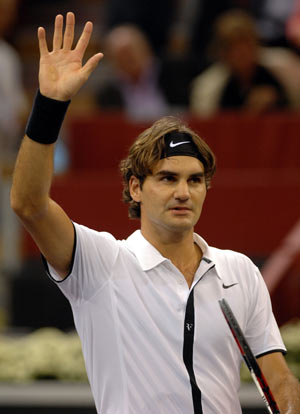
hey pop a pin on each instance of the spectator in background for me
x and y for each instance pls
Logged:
(194, 21)
(241, 78)
(13, 114)
(139, 82)
(134, 85)
(292, 27)
(13, 104)
(152, 17)
(182, 28)
(271, 21)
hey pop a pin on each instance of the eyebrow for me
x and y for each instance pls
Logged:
(167, 172)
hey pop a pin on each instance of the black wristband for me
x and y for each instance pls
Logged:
(46, 119)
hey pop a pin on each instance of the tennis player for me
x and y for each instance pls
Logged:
(146, 308)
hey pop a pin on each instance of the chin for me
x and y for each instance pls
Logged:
(183, 226)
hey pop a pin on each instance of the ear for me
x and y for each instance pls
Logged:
(135, 188)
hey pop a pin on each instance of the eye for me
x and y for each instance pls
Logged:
(168, 178)
(196, 179)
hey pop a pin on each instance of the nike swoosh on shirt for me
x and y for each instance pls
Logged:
(175, 144)
(229, 286)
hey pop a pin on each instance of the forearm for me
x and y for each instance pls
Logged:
(287, 395)
(34, 166)
(32, 178)
(61, 74)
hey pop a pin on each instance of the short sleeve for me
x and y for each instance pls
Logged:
(262, 330)
(94, 256)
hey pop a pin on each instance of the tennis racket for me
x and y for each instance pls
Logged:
(249, 358)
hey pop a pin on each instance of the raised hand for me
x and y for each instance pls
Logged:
(61, 73)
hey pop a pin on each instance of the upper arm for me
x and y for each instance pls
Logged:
(45, 220)
(53, 232)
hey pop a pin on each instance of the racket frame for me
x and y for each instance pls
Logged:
(249, 358)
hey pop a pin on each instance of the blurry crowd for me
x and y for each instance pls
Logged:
(161, 57)
(173, 56)
(200, 56)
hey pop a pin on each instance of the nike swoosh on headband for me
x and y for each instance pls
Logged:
(175, 144)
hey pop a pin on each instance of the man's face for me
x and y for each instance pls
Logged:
(171, 199)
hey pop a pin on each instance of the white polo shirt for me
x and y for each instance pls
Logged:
(152, 345)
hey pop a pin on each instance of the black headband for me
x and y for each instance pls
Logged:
(180, 143)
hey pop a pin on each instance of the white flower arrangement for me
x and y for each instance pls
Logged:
(49, 353)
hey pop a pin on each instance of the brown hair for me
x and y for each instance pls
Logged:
(147, 150)
(230, 26)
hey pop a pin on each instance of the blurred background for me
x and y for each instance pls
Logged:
(231, 70)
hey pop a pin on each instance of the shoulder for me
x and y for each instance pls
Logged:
(96, 248)
(229, 262)
(230, 256)
(88, 236)
(217, 73)
(285, 66)
(88, 239)
(206, 89)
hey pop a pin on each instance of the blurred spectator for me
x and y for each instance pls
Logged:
(293, 26)
(152, 17)
(135, 84)
(244, 76)
(13, 112)
(197, 25)
(13, 104)
(139, 83)
(181, 26)
(271, 21)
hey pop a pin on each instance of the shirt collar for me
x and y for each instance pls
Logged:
(149, 257)
(208, 254)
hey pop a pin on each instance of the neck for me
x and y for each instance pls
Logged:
(166, 241)
(180, 248)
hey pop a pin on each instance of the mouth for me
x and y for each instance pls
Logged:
(180, 210)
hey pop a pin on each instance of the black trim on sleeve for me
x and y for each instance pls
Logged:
(72, 261)
(283, 351)
(188, 345)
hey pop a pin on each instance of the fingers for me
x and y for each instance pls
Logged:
(58, 29)
(66, 39)
(69, 31)
(84, 38)
(42, 41)
(91, 64)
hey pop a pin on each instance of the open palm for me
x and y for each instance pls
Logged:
(61, 73)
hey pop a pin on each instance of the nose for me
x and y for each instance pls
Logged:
(182, 191)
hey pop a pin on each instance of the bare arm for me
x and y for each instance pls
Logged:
(284, 386)
(61, 75)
